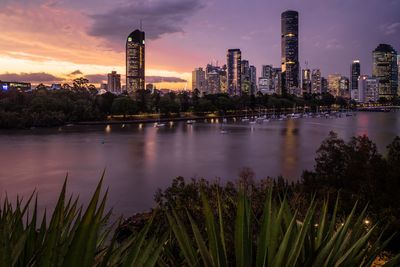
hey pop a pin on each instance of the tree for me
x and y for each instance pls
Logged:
(80, 83)
(124, 106)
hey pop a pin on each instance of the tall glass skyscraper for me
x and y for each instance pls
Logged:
(386, 70)
(135, 64)
(234, 71)
(290, 50)
(355, 72)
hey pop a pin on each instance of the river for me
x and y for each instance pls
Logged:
(139, 159)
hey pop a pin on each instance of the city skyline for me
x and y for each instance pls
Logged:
(199, 34)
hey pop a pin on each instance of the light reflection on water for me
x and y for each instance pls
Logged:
(141, 158)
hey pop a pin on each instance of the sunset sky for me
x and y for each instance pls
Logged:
(57, 40)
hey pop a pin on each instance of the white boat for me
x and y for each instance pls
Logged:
(190, 121)
(266, 120)
(159, 124)
(224, 120)
(252, 122)
(245, 119)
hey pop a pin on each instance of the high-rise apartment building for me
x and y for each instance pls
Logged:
(135, 63)
(114, 82)
(385, 69)
(290, 51)
(234, 71)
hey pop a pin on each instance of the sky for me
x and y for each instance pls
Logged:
(55, 41)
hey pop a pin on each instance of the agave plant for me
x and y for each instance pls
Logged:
(280, 238)
(72, 237)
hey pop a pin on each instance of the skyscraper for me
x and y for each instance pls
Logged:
(199, 81)
(386, 70)
(306, 81)
(234, 71)
(253, 79)
(135, 63)
(355, 72)
(290, 50)
(316, 83)
(114, 82)
(344, 85)
(246, 85)
(398, 76)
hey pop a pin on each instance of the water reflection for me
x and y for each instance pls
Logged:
(290, 149)
(140, 158)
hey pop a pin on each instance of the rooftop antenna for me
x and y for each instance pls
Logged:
(141, 28)
(306, 64)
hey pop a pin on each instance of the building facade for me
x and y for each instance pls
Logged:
(253, 79)
(334, 84)
(199, 81)
(290, 51)
(355, 72)
(114, 82)
(234, 72)
(344, 85)
(316, 85)
(306, 84)
(17, 86)
(385, 69)
(135, 62)
(368, 90)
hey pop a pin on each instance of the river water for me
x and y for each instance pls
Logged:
(139, 159)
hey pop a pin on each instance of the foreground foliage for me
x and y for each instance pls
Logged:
(72, 237)
(281, 238)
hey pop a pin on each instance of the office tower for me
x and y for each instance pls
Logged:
(306, 81)
(266, 71)
(386, 70)
(334, 84)
(135, 63)
(368, 89)
(344, 85)
(316, 85)
(276, 76)
(114, 82)
(290, 51)
(199, 81)
(270, 80)
(246, 85)
(253, 79)
(355, 72)
(234, 72)
(213, 82)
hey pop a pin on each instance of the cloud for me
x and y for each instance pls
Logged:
(101, 78)
(333, 44)
(30, 77)
(158, 17)
(390, 29)
(75, 73)
(96, 78)
(160, 79)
